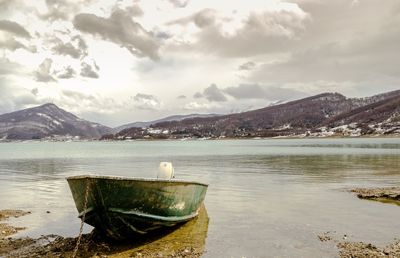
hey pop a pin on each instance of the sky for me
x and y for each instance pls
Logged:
(121, 61)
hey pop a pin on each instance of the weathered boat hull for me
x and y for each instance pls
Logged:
(122, 207)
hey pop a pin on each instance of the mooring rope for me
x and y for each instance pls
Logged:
(83, 219)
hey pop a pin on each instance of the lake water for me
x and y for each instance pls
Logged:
(266, 198)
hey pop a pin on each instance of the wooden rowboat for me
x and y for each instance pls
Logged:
(121, 207)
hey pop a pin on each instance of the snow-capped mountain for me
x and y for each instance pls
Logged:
(47, 121)
(326, 114)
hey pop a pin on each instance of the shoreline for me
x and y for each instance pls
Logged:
(389, 136)
(186, 240)
(5, 229)
(349, 249)
(389, 195)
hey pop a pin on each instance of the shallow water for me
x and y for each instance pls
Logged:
(266, 197)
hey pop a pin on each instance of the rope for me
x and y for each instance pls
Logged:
(82, 220)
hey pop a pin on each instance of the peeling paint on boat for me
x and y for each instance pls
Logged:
(179, 206)
(120, 207)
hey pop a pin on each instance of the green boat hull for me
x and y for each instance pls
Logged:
(123, 207)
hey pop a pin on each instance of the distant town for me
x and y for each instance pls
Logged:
(323, 115)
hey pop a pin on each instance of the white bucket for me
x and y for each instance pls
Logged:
(165, 170)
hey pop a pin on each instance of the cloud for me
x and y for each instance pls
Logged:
(146, 102)
(269, 30)
(135, 10)
(344, 47)
(14, 28)
(81, 43)
(67, 49)
(198, 95)
(11, 44)
(14, 97)
(35, 91)
(89, 71)
(246, 91)
(9, 67)
(370, 58)
(255, 91)
(162, 35)
(247, 66)
(75, 95)
(68, 73)
(62, 9)
(92, 105)
(201, 19)
(213, 93)
(76, 48)
(181, 97)
(5, 4)
(265, 32)
(179, 3)
(43, 74)
(198, 106)
(121, 29)
(256, 52)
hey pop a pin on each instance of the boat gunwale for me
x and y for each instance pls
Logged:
(138, 179)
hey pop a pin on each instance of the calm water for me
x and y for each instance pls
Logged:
(266, 197)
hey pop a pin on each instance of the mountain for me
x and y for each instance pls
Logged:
(382, 116)
(325, 114)
(295, 116)
(47, 121)
(313, 115)
(166, 119)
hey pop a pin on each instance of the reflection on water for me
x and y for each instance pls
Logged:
(349, 145)
(329, 168)
(384, 200)
(265, 197)
(189, 235)
(34, 170)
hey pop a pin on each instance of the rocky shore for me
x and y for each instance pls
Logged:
(92, 245)
(5, 229)
(386, 194)
(359, 249)
(185, 241)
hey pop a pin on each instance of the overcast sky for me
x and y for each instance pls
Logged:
(116, 62)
